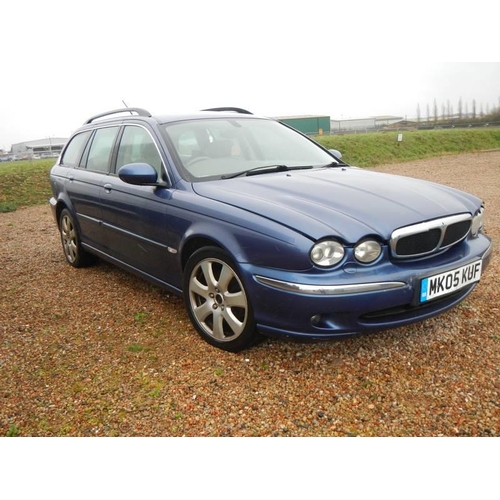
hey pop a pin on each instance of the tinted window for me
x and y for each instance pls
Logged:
(100, 150)
(72, 152)
(137, 146)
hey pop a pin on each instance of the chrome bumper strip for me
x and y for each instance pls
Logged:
(330, 289)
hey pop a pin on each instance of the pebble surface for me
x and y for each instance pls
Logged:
(99, 352)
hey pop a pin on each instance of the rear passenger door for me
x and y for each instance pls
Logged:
(135, 217)
(84, 184)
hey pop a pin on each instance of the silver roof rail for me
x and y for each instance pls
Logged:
(236, 110)
(139, 111)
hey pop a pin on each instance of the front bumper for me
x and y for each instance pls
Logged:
(352, 300)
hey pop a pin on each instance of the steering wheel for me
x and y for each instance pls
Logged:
(196, 160)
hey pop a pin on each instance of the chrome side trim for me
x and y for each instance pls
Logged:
(424, 227)
(330, 289)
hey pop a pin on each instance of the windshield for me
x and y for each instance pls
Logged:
(219, 147)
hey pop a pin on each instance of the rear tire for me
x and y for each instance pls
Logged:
(70, 239)
(217, 302)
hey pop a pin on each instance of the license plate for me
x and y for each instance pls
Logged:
(444, 283)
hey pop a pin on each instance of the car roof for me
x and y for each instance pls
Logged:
(142, 114)
(163, 119)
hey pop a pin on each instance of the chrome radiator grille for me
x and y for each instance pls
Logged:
(429, 237)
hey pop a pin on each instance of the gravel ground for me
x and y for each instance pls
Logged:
(98, 352)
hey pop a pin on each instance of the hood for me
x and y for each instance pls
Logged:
(349, 203)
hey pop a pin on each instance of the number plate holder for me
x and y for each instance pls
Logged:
(442, 284)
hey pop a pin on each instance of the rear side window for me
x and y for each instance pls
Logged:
(100, 150)
(74, 149)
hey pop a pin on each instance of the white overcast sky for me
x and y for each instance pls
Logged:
(64, 61)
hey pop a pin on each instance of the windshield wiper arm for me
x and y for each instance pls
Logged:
(264, 169)
(335, 163)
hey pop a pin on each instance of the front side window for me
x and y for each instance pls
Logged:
(74, 149)
(217, 147)
(100, 150)
(137, 146)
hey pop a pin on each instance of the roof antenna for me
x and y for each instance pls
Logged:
(126, 106)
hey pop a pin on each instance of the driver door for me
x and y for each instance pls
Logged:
(135, 217)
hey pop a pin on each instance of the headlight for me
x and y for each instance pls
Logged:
(327, 253)
(477, 222)
(367, 251)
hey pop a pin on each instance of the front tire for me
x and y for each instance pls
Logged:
(217, 302)
(70, 239)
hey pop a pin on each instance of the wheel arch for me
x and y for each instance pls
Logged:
(61, 204)
(194, 244)
(234, 240)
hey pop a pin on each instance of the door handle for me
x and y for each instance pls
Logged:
(108, 188)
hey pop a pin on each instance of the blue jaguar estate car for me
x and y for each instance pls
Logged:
(262, 230)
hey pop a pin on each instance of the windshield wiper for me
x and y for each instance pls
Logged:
(265, 169)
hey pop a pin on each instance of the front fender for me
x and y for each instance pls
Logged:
(260, 241)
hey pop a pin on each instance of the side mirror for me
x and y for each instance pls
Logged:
(139, 174)
(336, 153)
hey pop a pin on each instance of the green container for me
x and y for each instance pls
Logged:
(310, 125)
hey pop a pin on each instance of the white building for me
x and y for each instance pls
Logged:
(362, 124)
(47, 145)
